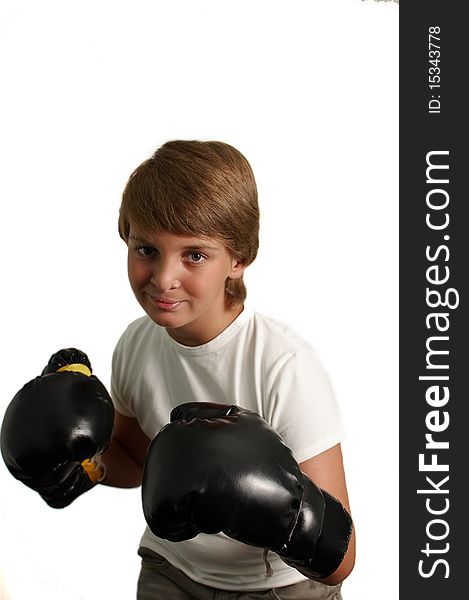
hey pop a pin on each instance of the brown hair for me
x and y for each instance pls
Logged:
(200, 189)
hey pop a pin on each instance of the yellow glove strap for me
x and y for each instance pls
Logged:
(95, 469)
(77, 368)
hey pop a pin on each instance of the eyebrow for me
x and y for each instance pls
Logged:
(136, 238)
(196, 246)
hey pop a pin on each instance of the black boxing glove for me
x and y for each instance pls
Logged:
(56, 427)
(223, 468)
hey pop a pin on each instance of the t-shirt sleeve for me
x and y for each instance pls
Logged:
(117, 376)
(304, 409)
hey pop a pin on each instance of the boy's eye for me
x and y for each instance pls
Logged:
(145, 251)
(196, 257)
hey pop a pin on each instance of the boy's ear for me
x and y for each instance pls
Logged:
(237, 268)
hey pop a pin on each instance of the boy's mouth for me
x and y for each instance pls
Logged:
(165, 303)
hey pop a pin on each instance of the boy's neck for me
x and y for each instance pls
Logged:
(199, 333)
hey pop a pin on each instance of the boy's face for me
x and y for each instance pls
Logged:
(180, 283)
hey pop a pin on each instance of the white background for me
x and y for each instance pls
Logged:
(308, 91)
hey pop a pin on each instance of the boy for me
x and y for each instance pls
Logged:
(190, 218)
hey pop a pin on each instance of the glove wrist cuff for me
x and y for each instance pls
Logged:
(321, 537)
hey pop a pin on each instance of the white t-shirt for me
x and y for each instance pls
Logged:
(256, 363)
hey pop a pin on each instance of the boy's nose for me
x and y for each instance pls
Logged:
(165, 277)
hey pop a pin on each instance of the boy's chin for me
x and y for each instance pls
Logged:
(168, 320)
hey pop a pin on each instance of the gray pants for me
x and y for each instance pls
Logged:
(159, 580)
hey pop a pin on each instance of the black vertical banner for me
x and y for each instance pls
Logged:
(434, 257)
